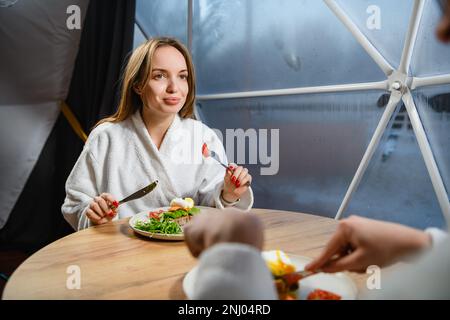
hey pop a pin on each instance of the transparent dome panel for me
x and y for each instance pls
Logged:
(396, 186)
(138, 37)
(430, 56)
(258, 45)
(383, 22)
(163, 18)
(433, 105)
(321, 140)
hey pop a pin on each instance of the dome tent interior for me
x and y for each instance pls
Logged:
(327, 88)
(64, 58)
(351, 116)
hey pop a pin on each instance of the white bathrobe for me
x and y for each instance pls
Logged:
(121, 158)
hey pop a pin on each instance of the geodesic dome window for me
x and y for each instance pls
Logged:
(343, 105)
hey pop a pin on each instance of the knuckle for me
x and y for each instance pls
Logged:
(345, 225)
(106, 196)
(343, 222)
(91, 215)
(351, 220)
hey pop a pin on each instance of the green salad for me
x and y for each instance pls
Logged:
(164, 222)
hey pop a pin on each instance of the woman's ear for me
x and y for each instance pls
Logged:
(137, 89)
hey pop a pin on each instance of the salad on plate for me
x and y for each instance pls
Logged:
(166, 220)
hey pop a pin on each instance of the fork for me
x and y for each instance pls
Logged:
(300, 274)
(210, 153)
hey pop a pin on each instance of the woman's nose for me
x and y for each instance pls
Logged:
(172, 86)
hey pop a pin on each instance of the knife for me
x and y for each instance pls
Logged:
(138, 194)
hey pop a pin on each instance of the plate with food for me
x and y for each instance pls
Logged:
(320, 286)
(165, 223)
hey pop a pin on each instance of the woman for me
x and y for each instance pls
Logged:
(152, 137)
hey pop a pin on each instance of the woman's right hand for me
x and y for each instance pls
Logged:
(101, 209)
(360, 242)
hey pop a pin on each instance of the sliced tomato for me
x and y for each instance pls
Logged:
(154, 214)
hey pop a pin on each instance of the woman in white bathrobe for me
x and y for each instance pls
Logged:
(152, 137)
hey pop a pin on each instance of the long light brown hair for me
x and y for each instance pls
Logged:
(136, 76)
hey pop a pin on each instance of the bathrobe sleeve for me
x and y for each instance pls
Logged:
(80, 190)
(427, 277)
(212, 184)
(87, 179)
(438, 236)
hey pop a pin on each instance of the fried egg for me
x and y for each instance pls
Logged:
(278, 262)
(186, 203)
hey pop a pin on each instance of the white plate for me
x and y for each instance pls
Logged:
(338, 283)
(143, 216)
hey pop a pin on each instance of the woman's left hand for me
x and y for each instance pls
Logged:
(236, 182)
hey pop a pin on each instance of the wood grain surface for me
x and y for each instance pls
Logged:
(116, 263)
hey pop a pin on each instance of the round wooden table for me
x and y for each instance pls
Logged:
(115, 263)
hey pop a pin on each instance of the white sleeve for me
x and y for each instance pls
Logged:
(212, 186)
(437, 235)
(80, 190)
(427, 278)
(233, 271)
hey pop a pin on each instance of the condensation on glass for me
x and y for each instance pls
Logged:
(383, 22)
(322, 139)
(431, 57)
(433, 105)
(257, 45)
(396, 186)
(163, 18)
(138, 37)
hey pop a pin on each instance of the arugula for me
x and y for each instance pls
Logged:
(157, 226)
(165, 223)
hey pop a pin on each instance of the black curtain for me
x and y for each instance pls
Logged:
(106, 40)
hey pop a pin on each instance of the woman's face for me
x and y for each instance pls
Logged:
(166, 91)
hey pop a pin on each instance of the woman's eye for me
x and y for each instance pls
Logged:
(158, 76)
(184, 76)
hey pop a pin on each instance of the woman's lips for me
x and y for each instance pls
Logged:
(172, 101)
